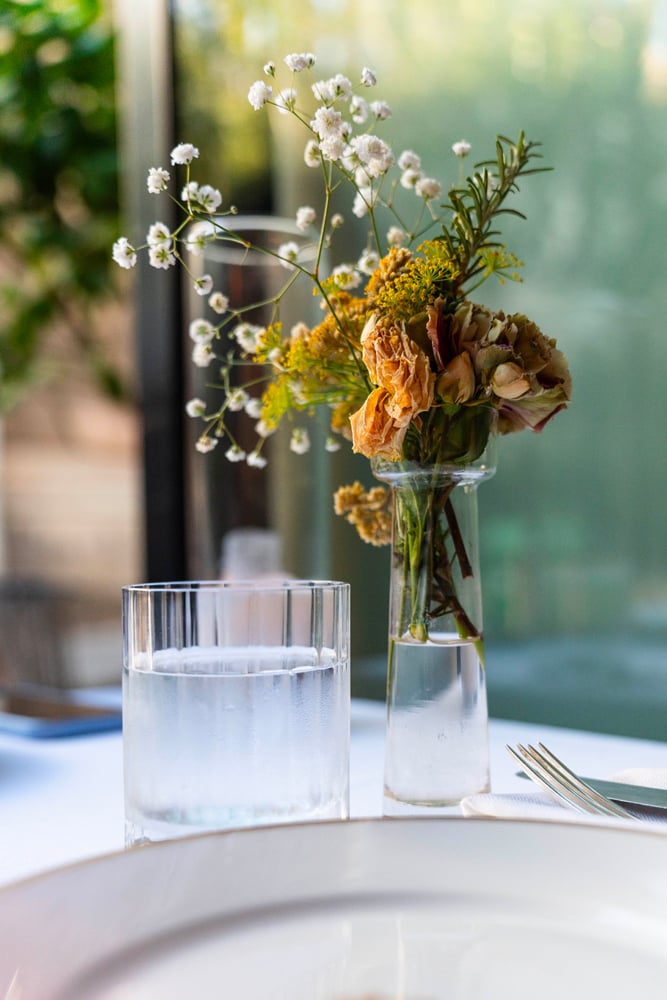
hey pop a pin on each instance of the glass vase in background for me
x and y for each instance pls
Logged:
(290, 498)
(436, 743)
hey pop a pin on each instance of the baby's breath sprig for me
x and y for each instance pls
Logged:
(402, 358)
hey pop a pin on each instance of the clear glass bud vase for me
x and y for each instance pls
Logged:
(436, 745)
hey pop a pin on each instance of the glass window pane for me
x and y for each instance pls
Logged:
(574, 539)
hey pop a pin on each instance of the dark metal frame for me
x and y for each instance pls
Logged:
(147, 115)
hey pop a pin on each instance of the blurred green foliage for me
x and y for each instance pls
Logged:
(212, 107)
(58, 185)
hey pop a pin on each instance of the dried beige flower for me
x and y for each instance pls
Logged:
(368, 511)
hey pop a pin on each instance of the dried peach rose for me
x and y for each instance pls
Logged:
(374, 430)
(397, 364)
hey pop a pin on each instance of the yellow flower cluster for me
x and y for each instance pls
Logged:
(420, 279)
(318, 366)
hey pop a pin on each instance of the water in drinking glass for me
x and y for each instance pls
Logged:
(220, 736)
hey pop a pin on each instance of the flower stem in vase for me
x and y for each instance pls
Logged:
(436, 747)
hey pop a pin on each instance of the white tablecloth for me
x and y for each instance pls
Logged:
(61, 800)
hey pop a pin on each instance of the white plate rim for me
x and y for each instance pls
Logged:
(180, 870)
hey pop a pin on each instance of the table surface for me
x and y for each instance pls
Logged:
(61, 800)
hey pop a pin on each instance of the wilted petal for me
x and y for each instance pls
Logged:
(397, 364)
(510, 382)
(437, 334)
(456, 384)
(374, 431)
(531, 412)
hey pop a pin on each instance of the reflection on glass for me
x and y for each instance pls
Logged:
(574, 533)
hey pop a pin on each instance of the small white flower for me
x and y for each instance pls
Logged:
(462, 148)
(373, 153)
(332, 147)
(300, 441)
(362, 202)
(341, 86)
(410, 177)
(253, 407)
(195, 407)
(201, 331)
(395, 236)
(297, 393)
(157, 180)
(346, 277)
(247, 336)
(408, 160)
(368, 261)
(256, 460)
(359, 110)
(259, 94)
(332, 444)
(329, 90)
(190, 191)
(311, 154)
(288, 252)
(361, 177)
(235, 454)
(202, 355)
(380, 109)
(161, 257)
(263, 430)
(305, 216)
(270, 68)
(209, 198)
(323, 91)
(337, 220)
(236, 399)
(123, 253)
(205, 444)
(299, 61)
(299, 332)
(203, 285)
(285, 100)
(199, 236)
(184, 153)
(368, 77)
(159, 236)
(275, 357)
(219, 303)
(427, 188)
(327, 122)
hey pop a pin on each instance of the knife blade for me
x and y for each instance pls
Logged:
(626, 794)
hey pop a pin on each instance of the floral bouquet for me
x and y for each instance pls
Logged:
(410, 368)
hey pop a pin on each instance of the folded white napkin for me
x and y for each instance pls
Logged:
(535, 804)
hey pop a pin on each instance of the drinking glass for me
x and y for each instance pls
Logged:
(236, 705)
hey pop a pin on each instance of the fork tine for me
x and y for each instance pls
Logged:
(575, 796)
(576, 782)
(542, 778)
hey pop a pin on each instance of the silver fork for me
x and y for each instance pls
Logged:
(548, 771)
